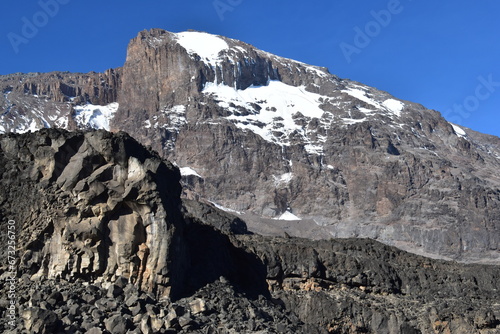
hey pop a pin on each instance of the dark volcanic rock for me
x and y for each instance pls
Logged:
(369, 287)
(104, 206)
(104, 245)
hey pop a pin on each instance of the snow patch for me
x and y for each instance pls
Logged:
(186, 171)
(95, 116)
(458, 131)
(32, 127)
(271, 111)
(205, 45)
(394, 106)
(361, 95)
(220, 207)
(176, 118)
(287, 215)
(283, 179)
(241, 49)
(350, 121)
(61, 122)
(314, 149)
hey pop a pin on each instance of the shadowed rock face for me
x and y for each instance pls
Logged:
(100, 206)
(105, 243)
(91, 205)
(350, 161)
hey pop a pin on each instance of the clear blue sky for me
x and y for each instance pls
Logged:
(442, 54)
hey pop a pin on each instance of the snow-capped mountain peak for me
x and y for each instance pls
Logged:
(206, 46)
(272, 137)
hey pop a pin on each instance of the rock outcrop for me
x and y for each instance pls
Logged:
(91, 205)
(105, 245)
(362, 286)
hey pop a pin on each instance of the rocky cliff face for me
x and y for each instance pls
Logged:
(280, 139)
(91, 205)
(105, 245)
(293, 148)
(40, 100)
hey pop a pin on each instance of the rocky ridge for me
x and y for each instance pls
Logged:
(39, 100)
(106, 245)
(274, 139)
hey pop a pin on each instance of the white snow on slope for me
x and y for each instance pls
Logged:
(186, 171)
(220, 207)
(95, 116)
(361, 95)
(283, 179)
(351, 121)
(176, 118)
(59, 121)
(279, 104)
(205, 45)
(24, 127)
(459, 131)
(393, 106)
(287, 215)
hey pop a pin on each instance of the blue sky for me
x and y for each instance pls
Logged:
(442, 54)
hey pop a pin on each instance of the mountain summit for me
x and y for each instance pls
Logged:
(287, 146)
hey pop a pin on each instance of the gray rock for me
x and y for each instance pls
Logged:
(37, 320)
(88, 298)
(185, 320)
(55, 298)
(94, 330)
(114, 291)
(132, 300)
(117, 324)
(74, 309)
(197, 306)
(137, 309)
(121, 282)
